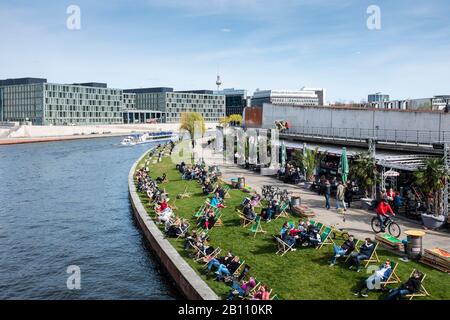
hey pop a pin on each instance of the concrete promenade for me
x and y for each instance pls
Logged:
(357, 220)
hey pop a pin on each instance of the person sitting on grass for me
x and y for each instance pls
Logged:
(227, 270)
(261, 294)
(249, 212)
(217, 202)
(365, 251)
(216, 262)
(373, 282)
(241, 290)
(345, 249)
(409, 287)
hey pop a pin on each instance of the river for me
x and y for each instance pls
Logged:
(66, 204)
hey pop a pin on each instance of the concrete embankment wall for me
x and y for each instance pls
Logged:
(383, 121)
(27, 131)
(188, 282)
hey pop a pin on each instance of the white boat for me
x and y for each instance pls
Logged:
(149, 137)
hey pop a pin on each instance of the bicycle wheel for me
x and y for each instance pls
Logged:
(394, 229)
(376, 227)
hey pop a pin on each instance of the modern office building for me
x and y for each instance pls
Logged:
(235, 100)
(435, 103)
(302, 97)
(377, 98)
(42, 103)
(172, 104)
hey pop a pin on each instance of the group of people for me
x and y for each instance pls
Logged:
(344, 193)
(289, 174)
(306, 234)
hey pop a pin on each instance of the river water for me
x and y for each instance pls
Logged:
(66, 204)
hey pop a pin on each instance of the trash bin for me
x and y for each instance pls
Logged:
(296, 201)
(414, 246)
(241, 182)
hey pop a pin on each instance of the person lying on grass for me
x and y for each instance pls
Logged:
(365, 251)
(373, 282)
(345, 249)
(239, 290)
(214, 263)
(224, 271)
(409, 287)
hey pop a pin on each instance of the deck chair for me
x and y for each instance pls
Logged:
(239, 269)
(200, 211)
(275, 297)
(312, 222)
(283, 247)
(422, 291)
(356, 249)
(200, 255)
(218, 215)
(393, 277)
(256, 227)
(183, 232)
(243, 219)
(325, 237)
(283, 211)
(226, 190)
(320, 226)
(373, 257)
(184, 194)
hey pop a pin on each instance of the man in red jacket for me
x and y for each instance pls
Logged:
(382, 213)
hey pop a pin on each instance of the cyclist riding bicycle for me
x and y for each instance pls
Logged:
(382, 213)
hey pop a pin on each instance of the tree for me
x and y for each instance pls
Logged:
(364, 170)
(430, 178)
(234, 119)
(308, 160)
(188, 122)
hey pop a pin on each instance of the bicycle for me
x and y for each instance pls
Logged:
(389, 224)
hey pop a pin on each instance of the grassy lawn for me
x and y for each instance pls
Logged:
(303, 274)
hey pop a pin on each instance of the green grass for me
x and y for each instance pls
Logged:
(303, 274)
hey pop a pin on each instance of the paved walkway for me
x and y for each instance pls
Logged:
(357, 220)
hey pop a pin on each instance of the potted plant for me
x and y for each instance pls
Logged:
(430, 178)
(308, 160)
(364, 170)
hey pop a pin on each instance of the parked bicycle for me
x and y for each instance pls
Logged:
(389, 224)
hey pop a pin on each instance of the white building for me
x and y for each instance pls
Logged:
(302, 97)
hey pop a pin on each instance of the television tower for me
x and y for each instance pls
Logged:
(218, 82)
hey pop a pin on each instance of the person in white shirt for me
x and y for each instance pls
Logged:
(373, 282)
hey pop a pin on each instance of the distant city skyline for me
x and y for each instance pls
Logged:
(251, 44)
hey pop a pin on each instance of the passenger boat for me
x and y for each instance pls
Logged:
(149, 137)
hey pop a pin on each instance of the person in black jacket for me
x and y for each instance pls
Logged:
(365, 251)
(227, 270)
(409, 287)
(345, 249)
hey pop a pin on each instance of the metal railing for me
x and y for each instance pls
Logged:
(393, 136)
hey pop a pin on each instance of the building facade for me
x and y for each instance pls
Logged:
(42, 103)
(377, 97)
(235, 100)
(427, 104)
(303, 97)
(172, 104)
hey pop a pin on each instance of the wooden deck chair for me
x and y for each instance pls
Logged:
(320, 226)
(243, 219)
(183, 232)
(356, 249)
(255, 288)
(218, 216)
(283, 211)
(173, 205)
(256, 227)
(325, 237)
(422, 291)
(393, 277)
(283, 247)
(239, 269)
(200, 211)
(275, 297)
(200, 255)
(373, 257)
(226, 191)
(184, 194)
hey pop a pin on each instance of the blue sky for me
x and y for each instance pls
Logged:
(284, 44)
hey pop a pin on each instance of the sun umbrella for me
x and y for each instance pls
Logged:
(344, 165)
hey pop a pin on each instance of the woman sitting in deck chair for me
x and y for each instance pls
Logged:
(261, 294)
(272, 210)
(207, 220)
(226, 271)
(241, 290)
(409, 287)
(365, 251)
(373, 282)
(216, 262)
(345, 249)
(190, 239)
(217, 201)
(249, 213)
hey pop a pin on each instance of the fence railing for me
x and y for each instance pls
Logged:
(414, 137)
